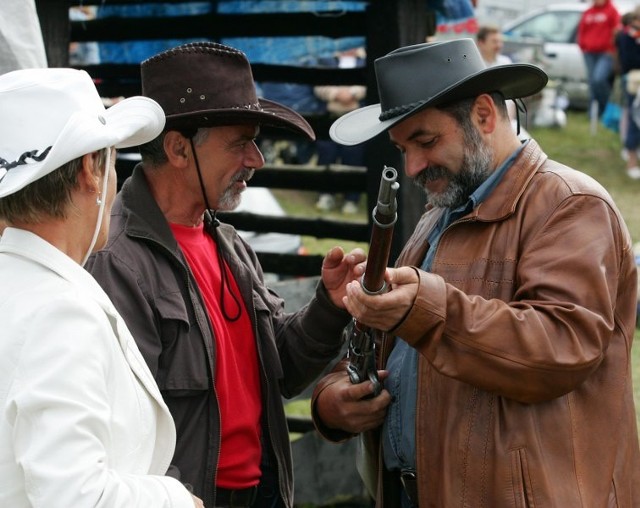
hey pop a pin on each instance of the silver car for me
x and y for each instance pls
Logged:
(547, 37)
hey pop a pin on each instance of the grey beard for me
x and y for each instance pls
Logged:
(475, 169)
(230, 198)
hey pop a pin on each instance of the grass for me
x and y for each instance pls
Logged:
(302, 204)
(575, 145)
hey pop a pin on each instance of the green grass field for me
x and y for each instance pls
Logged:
(597, 155)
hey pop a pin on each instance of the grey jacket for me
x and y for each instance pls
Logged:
(144, 272)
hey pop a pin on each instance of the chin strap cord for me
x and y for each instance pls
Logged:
(521, 107)
(224, 275)
(101, 201)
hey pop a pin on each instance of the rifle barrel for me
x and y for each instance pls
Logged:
(384, 218)
(362, 347)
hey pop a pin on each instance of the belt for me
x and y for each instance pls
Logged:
(410, 485)
(237, 498)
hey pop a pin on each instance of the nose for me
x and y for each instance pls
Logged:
(413, 164)
(254, 157)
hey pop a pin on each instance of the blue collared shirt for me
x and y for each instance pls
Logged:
(398, 440)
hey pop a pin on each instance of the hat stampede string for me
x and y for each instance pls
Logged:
(223, 266)
(521, 107)
(101, 204)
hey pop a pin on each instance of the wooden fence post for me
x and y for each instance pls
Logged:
(55, 26)
(395, 23)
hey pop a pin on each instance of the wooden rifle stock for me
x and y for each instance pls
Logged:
(361, 352)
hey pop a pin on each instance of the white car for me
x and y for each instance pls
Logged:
(547, 37)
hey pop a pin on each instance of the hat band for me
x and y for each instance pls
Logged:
(399, 110)
(254, 106)
(32, 154)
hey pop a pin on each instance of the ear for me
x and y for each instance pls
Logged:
(485, 114)
(177, 148)
(89, 175)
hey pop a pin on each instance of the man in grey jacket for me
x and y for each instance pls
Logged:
(218, 341)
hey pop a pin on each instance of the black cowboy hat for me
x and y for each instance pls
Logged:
(203, 84)
(413, 78)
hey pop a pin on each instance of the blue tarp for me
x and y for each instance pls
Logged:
(302, 51)
(285, 50)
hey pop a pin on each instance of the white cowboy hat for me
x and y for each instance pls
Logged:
(49, 117)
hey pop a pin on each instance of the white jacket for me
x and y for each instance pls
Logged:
(82, 422)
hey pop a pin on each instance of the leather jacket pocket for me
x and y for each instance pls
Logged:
(521, 480)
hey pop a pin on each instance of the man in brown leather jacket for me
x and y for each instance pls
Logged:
(221, 346)
(511, 312)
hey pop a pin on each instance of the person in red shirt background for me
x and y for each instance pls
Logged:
(596, 33)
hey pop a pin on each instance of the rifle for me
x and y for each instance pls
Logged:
(362, 347)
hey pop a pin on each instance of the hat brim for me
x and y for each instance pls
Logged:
(134, 121)
(130, 122)
(512, 81)
(271, 114)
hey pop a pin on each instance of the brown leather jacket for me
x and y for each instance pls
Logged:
(524, 332)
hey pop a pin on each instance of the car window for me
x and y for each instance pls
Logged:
(557, 26)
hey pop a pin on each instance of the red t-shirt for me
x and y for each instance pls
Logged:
(597, 28)
(237, 382)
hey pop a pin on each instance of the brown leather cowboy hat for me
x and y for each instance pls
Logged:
(203, 84)
(413, 78)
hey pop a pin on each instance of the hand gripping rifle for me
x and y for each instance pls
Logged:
(362, 347)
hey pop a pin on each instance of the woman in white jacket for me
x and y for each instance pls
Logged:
(82, 423)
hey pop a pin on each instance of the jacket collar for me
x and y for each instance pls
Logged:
(498, 205)
(143, 216)
(145, 220)
(30, 246)
(503, 200)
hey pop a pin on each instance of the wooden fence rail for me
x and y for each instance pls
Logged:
(382, 25)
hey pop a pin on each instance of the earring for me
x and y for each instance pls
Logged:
(98, 200)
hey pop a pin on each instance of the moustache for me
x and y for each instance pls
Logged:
(432, 173)
(244, 175)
